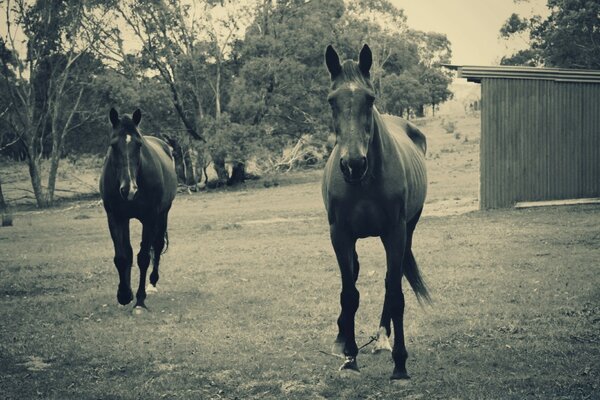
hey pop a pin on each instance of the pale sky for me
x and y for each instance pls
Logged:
(472, 26)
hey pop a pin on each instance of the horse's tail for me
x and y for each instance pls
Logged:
(165, 248)
(413, 276)
(166, 242)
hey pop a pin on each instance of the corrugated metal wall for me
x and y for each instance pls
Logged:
(540, 140)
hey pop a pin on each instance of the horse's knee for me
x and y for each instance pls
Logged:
(349, 299)
(143, 259)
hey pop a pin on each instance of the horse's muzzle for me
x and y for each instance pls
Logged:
(128, 192)
(354, 170)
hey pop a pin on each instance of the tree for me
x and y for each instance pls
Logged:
(190, 49)
(400, 53)
(402, 93)
(435, 83)
(568, 38)
(4, 212)
(46, 80)
(279, 94)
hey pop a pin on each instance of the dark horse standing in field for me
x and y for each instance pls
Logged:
(138, 181)
(374, 185)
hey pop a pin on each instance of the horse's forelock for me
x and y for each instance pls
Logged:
(351, 73)
(128, 126)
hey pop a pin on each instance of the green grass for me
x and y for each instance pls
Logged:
(249, 296)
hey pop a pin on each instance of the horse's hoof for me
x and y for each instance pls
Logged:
(398, 375)
(349, 367)
(338, 349)
(138, 310)
(382, 343)
(151, 289)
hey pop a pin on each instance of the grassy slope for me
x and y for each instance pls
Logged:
(249, 296)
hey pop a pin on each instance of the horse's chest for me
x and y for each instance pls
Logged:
(365, 218)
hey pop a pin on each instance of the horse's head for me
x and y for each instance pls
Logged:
(351, 98)
(126, 142)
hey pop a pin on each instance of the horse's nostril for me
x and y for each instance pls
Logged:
(343, 165)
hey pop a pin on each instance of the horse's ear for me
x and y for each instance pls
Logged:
(114, 117)
(137, 117)
(333, 62)
(365, 60)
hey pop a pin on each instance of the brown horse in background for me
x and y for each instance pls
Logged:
(374, 184)
(138, 181)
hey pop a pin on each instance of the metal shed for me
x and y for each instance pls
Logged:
(540, 133)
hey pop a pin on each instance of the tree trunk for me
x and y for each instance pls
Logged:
(221, 170)
(218, 90)
(35, 173)
(183, 163)
(4, 211)
(238, 174)
(54, 161)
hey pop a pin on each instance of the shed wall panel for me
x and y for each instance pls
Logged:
(540, 140)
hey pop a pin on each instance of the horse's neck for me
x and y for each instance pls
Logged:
(376, 144)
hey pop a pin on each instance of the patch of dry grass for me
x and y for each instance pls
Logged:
(244, 308)
(249, 294)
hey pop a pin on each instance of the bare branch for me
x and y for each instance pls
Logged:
(6, 146)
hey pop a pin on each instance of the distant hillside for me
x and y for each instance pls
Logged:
(465, 93)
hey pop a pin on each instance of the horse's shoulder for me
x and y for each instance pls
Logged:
(411, 130)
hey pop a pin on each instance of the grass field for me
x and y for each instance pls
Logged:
(249, 293)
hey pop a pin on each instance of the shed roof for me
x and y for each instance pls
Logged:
(475, 73)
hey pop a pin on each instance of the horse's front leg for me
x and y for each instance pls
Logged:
(395, 248)
(143, 259)
(119, 232)
(345, 343)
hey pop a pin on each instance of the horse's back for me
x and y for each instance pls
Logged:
(161, 148)
(400, 126)
(407, 145)
(163, 153)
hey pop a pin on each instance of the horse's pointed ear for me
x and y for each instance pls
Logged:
(114, 117)
(137, 117)
(333, 62)
(365, 60)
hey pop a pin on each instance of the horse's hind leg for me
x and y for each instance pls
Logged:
(395, 248)
(385, 330)
(158, 246)
(143, 259)
(119, 231)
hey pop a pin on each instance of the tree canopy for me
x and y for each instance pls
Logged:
(569, 37)
(225, 81)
